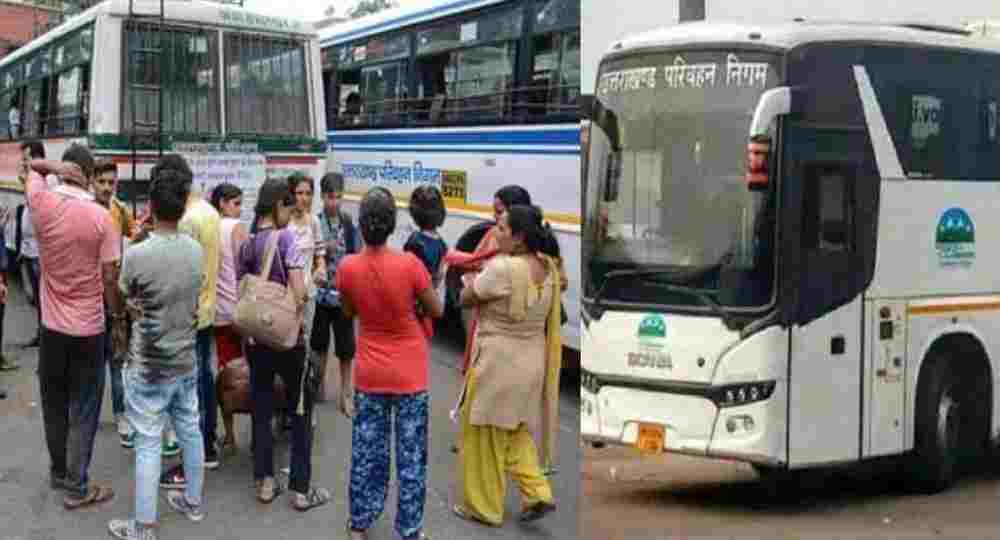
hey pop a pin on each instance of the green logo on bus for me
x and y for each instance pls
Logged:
(653, 326)
(955, 238)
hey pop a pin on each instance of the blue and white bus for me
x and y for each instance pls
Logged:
(469, 95)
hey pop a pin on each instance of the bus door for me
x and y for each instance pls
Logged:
(824, 376)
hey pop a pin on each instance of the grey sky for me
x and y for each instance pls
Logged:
(310, 10)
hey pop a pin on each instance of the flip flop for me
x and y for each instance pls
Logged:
(465, 514)
(537, 511)
(95, 495)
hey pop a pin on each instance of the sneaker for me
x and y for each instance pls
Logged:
(127, 439)
(212, 459)
(8, 365)
(171, 449)
(128, 529)
(173, 478)
(180, 503)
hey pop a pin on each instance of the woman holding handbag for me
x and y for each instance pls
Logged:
(271, 254)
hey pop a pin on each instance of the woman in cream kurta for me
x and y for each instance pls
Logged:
(513, 376)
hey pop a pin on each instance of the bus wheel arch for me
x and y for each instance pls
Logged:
(954, 375)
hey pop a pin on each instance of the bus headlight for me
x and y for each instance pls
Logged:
(732, 395)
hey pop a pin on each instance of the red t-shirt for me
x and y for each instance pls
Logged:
(382, 286)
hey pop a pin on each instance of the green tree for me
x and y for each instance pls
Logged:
(369, 7)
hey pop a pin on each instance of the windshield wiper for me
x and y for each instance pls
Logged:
(705, 295)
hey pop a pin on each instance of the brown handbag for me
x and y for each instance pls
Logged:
(233, 389)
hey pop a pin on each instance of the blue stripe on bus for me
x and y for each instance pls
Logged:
(518, 151)
(337, 39)
(546, 137)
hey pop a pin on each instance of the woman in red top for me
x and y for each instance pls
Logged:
(382, 286)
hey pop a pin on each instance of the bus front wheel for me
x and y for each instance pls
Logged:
(939, 418)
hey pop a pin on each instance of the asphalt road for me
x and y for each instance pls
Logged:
(624, 495)
(29, 510)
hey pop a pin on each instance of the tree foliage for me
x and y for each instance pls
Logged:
(369, 7)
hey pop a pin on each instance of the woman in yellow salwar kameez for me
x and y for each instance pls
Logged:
(514, 373)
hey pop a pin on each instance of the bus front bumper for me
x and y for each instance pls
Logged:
(692, 425)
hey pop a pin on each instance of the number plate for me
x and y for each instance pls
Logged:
(651, 440)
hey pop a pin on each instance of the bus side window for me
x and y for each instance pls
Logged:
(828, 207)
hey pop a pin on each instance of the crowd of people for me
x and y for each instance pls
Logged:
(176, 310)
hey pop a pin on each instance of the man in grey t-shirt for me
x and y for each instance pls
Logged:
(161, 278)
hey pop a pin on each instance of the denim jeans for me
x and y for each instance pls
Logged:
(207, 400)
(71, 380)
(290, 365)
(149, 405)
(374, 418)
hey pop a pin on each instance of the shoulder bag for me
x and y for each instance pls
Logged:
(265, 310)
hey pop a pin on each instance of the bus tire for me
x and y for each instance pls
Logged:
(937, 437)
(778, 483)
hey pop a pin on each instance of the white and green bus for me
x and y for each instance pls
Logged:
(241, 93)
(786, 248)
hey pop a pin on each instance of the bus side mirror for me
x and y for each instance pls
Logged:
(773, 103)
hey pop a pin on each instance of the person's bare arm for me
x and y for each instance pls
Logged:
(296, 281)
(346, 308)
(468, 297)
(109, 272)
(429, 299)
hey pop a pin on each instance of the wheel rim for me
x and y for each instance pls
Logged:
(948, 420)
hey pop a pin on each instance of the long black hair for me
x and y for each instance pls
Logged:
(538, 236)
(377, 216)
(512, 195)
(224, 192)
(427, 207)
(271, 193)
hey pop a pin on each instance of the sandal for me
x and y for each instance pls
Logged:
(267, 490)
(467, 515)
(537, 511)
(95, 495)
(356, 535)
(307, 501)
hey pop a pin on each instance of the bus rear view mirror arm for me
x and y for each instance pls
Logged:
(773, 103)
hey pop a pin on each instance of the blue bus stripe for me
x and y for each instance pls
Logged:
(546, 137)
(337, 39)
(517, 151)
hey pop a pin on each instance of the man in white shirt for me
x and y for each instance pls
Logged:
(25, 244)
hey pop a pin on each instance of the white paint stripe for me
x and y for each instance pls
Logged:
(885, 151)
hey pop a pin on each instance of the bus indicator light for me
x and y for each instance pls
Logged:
(758, 157)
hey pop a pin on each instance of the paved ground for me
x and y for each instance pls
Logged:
(672, 496)
(29, 510)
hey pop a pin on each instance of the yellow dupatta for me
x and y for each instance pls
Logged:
(520, 285)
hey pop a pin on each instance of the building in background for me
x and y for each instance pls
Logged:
(23, 20)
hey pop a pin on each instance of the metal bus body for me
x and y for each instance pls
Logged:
(469, 96)
(786, 245)
(219, 63)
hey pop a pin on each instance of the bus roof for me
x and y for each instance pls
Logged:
(422, 11)
(192, 11)
(792, 34)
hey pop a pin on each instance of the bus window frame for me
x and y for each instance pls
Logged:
(174, 29)
(49, 87)
(412, 111)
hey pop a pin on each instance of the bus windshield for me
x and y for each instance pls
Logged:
(667, 194)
